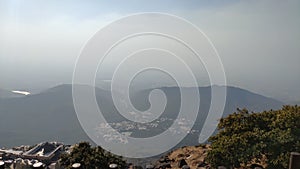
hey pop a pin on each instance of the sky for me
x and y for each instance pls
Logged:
(258, 41)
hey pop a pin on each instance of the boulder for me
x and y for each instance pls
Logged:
(181, 163)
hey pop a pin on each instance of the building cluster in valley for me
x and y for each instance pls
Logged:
(43, 155)
(119, 131)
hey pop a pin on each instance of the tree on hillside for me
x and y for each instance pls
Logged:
(91, 157)
(244, 137)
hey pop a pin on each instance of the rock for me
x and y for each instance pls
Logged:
(164, 165)
(181, 163)
(76, 165)
(201, 164)
(149, 166)
(256, 166)
(113, 165)
(185, 167)
(164, 160)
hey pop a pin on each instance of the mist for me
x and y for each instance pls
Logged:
(257, 41)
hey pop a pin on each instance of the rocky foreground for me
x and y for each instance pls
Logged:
(47, 155)
(191, 157)
(185, 157)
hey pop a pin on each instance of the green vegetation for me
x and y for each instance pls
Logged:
(246, 137)
(91, 157)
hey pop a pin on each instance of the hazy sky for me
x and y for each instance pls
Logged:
(258, 41)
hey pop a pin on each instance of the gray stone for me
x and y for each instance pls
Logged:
(149, 166)
(181, 163)
(185, 167)
(164, 165)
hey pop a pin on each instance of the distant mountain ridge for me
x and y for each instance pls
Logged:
(50, 115)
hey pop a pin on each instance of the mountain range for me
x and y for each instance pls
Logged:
(50, 115)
